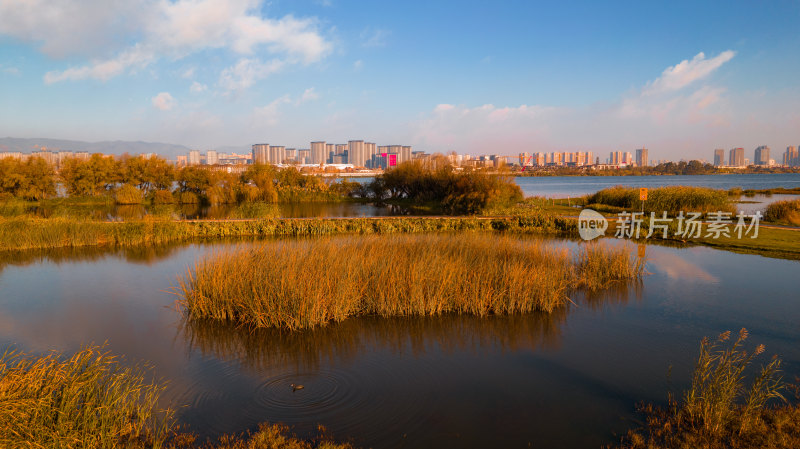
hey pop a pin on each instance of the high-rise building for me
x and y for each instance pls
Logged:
(291, 154)
(642, 157)
(304, 156)
(405, 154)
(318, 153)
(356, 154)
(790, 157)
(194, 157)
(211, 157)
(260, 153)
(719, 157)
(277, 154)
(330, 152)
(371, 150)
(761, 156)
(736, 157)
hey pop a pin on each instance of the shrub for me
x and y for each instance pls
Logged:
(188, 198)
(788, 211)
(163, 197)
(128, 194)
(467, 192)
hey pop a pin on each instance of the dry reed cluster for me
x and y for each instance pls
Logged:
(301, 284)
(87, 400)
(721, 409)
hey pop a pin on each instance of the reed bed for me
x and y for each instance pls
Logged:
(21, 233)
(784, 211)
(301, 284)
(88, 400)
(672, 199)
(723, 409)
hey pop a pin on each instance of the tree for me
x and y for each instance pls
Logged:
(148, 174)
(32, 179)
(93, 177)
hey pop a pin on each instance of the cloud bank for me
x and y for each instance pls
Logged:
(123, 36)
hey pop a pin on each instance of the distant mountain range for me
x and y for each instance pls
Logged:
(166, 150)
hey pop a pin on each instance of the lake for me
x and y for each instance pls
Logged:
(549, 187)
(575, 186)
(569, 379)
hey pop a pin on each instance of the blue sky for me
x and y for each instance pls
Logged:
(681, 78)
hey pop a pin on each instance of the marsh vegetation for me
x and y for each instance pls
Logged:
(301, 284)
(724, 407)
(672, 199)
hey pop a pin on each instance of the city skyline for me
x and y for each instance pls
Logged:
(450, 77)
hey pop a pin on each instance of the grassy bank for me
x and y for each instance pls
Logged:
(302, 284)
(722, 408)
(32, 233)
(671, 199)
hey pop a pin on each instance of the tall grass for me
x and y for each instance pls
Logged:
(87, 400)
(720, 409)
(301, 284)
(672, 199)
(34, 233)
(786, 211)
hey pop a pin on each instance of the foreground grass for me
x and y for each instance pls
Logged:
(32, 233)
(89, 400)
(85, 401)
(721, 410)
(302, 284)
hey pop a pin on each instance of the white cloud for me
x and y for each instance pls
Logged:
(188, 73)
(268, 115)
(163, 101)
(103, 29)
(358, 65)
(9, 70)
(686, 72)
(198, 87)
(136, 57)
(63, 28)
(374, 37)
(668, 109)
(308, 95)
(247, 72)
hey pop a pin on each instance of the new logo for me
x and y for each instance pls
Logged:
(591, 224)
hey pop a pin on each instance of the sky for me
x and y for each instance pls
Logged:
(477, 77)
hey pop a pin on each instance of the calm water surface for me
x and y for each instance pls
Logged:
(574, 186)
(568, 379)
(550, 187)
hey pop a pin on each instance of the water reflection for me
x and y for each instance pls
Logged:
(268, 349)
(449, 381)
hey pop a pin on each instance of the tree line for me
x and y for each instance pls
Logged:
(135, 180)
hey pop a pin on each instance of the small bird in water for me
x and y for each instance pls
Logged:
(296, 387)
